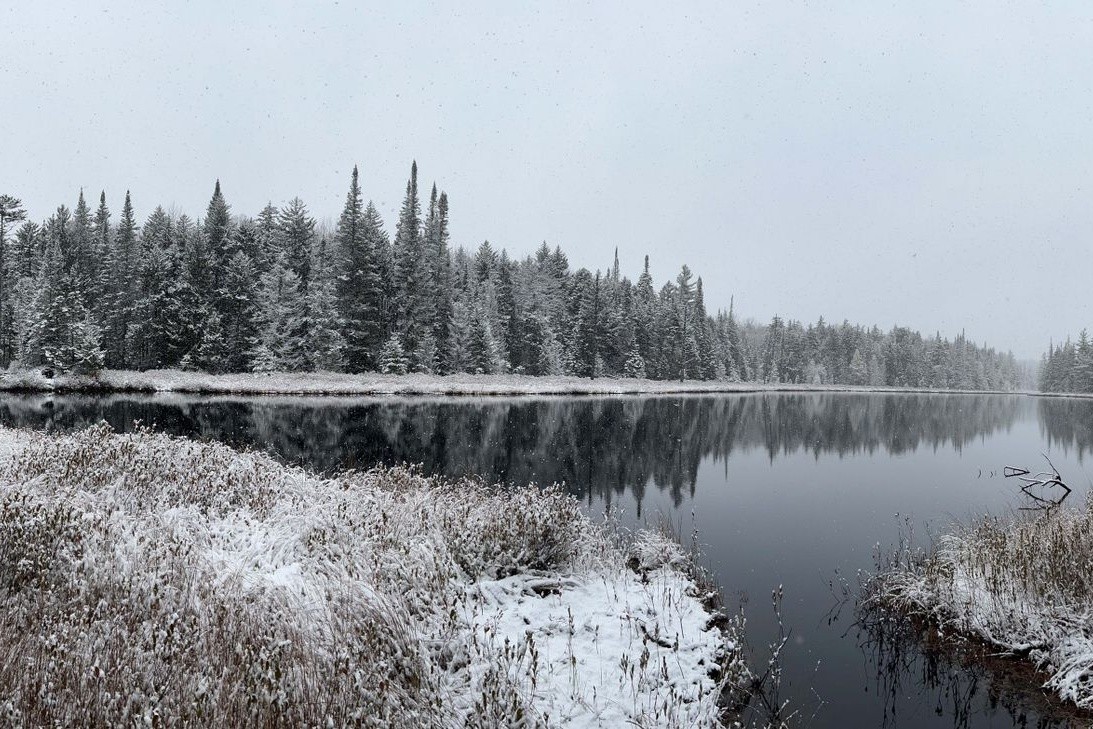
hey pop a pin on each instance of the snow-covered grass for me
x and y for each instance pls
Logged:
(1022, 584)
(333, 383)
(151, 580)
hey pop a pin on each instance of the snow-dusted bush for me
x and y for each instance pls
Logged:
(653, 550)
(1023, 584)
(151, 580)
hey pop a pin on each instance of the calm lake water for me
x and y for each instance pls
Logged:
(797, 490)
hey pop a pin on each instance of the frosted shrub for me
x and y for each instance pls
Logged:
(39, 539)
(653, 550)
(500, 533)
(1022, 584)
(149, 580)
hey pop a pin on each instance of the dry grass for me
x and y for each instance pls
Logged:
(147, 580)
(1023, 584)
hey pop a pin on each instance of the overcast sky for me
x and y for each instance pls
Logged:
(928, 164)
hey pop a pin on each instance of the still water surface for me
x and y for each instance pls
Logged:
(797, 490)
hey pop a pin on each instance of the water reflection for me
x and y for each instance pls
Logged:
(598, 446)
(1067, 423)
(961, 680)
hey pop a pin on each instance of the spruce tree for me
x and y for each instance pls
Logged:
(441, 270)
(645, 317)
(411, 275)
(588, 331)
(359, 288)
(296, 231)
(11, 211)
(324, 334)
(217, 228)
(392, 358)
(116, 336)
(635, 365)
(240, 319)
(82, 260)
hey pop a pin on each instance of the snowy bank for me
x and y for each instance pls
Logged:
(152, 580)
(1023, 585)
(333, 383)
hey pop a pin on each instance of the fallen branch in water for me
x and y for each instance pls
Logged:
(1043, 479)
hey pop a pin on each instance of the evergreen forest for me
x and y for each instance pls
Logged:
(89, 288)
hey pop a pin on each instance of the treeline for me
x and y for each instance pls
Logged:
(855, 355)
(1068, 367)
(278, 292)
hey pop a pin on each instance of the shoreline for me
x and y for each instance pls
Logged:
(1018, 586)
(460, 385)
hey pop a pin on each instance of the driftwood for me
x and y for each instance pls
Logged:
(1041, 480)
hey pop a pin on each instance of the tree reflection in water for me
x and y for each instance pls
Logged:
(962, 680)
(1067, 423)
(597, 446)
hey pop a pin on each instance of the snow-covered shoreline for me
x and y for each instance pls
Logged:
(331, 383)
(1022, 585)
(147, 578)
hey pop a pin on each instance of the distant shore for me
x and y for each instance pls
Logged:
(332, 383)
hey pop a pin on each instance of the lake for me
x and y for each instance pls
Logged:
(790, 489)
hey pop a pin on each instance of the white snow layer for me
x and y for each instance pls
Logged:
(1021, 585)
(319, 383)
(150, 579)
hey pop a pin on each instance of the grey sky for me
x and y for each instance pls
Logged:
(921, 163)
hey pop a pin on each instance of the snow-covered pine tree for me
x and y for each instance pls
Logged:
(88, 357)
(588, 329)
(98, 291)
(459, 333)
(359, 288)
(393, 360)
(509, 319)
(82, 261)
(324, 333)
(414, 315)
(152, 324)
(296, 236)
(282, 323)
(239, 300)
(217, 228)
(11, 211)
(210, 354)
(635, 365)
(436, 237)
(706, 366)
(59, 332)
(685, 345)
(859, 370)
(120, 303)
(482, 350)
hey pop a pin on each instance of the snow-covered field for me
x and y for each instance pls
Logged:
(1022, 584)
(157, 581)
(332, 383)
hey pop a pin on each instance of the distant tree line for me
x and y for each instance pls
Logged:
(1068, 367)
(278, 292)
(854, 355)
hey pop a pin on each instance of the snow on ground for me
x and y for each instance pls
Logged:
(317, 383)
(147, 579)
(1022, 584)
